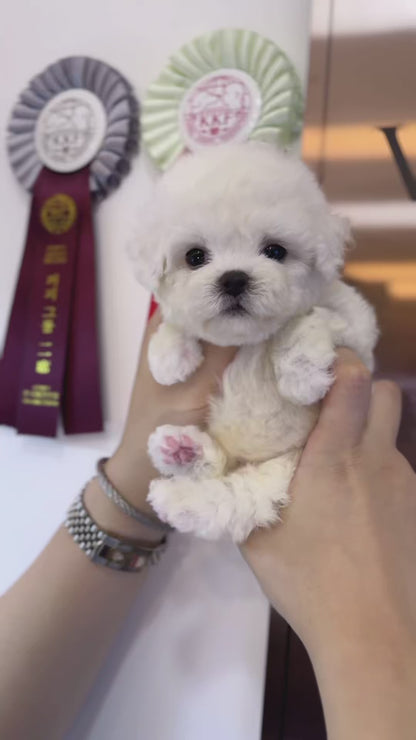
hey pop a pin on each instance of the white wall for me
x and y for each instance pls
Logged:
(195, 644)
(355, 17)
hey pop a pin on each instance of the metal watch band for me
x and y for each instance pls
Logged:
(106, 548)
(125, 506)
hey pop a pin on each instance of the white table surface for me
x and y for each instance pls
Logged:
(189, 663)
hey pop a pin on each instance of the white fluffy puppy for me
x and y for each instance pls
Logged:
(240, 248)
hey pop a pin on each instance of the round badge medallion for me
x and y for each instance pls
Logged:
(222, 106)
(58, 213)
(70, 130)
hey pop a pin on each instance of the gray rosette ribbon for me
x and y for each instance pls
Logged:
(120, 141)
(70, 140)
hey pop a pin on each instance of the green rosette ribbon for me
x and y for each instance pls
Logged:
(227, 85)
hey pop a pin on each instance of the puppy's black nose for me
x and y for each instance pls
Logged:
(234, 282)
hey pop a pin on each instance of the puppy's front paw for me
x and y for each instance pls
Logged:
(304, 380)
(172, 356)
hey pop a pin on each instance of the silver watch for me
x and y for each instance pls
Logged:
(105, 548)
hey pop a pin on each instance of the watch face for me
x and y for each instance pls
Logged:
(120, 557)
(138, 562)
(112, 555)
(104, 548)
(70, 130)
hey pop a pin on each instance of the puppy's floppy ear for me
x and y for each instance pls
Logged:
(145, 250)
(332, 244)
(145, 253)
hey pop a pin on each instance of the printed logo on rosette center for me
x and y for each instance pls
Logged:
(221, 107)
(70, 130)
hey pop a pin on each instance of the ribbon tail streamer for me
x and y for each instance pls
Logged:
(51, 355)
(82, 411)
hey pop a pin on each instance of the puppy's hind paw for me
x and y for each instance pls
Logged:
(185, 451)
(201, 506)
(175, 502)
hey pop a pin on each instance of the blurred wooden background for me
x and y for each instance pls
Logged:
(361, 80)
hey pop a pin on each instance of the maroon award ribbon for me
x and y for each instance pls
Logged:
(52, 330)
(82, 398)
(70, 138)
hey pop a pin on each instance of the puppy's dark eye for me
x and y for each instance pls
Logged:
(274, 251)
(196, 257)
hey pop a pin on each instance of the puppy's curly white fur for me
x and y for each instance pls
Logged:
(240, 248)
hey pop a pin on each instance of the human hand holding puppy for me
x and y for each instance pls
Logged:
(339, 567)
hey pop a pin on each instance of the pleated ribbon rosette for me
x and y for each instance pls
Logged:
(227, 85)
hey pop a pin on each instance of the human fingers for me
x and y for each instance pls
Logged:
(144, 384)
(384, 414)
(150, 328)
(344, 412)
(216, 359)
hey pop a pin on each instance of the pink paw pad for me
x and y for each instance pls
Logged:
(180, 450)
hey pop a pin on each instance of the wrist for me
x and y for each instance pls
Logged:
(367, 686)
(112, 520)
(131, 472)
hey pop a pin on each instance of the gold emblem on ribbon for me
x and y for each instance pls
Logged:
(58, 213)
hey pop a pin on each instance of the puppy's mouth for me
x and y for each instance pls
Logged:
(234, 309)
